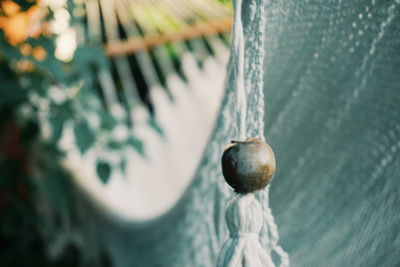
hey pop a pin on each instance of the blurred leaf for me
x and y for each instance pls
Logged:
(115, 145)
(154, 124)
(103, 170)
(57, 127)
(25, 5)
(123, 165)
(85, 58)
(59, 115)
(137, 144)
(108, 122)
(84, 136)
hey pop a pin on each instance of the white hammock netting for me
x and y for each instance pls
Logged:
(191, 234)
(332, 82)
(139, 224)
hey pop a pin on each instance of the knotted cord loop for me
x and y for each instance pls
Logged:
(243, 235)
(244, 219)
(248, 165)
(238, 46)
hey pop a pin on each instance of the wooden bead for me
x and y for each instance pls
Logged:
(248, 165)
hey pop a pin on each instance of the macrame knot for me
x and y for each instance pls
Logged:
(244, 215)
(244, 218)
(243, 235)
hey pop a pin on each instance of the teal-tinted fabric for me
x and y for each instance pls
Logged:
(333, 119)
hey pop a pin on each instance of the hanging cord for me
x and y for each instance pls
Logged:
(244, 219)
(248, 165)
(272, 230)
(238, 45)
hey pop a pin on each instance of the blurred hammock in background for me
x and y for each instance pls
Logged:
(158, 89)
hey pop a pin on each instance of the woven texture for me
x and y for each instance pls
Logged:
(332, 117)
(333, 94)
(193, 233)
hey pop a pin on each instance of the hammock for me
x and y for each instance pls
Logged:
(168, 208)
(185, 104)
(332, 72)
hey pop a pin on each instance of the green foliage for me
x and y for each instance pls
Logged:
(39, 99)
(9, 80)
(103, 170)
(25, 104)
(137, 144)
(87, 57)
(108, 122)
(59, 115)
(25, 5)
(84, 136)
(154, 124)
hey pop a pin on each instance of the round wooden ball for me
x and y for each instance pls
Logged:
(248, 165)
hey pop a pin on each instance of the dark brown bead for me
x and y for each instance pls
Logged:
(248, 165)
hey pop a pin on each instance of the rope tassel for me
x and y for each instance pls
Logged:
(244, 218)
(247, 166)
